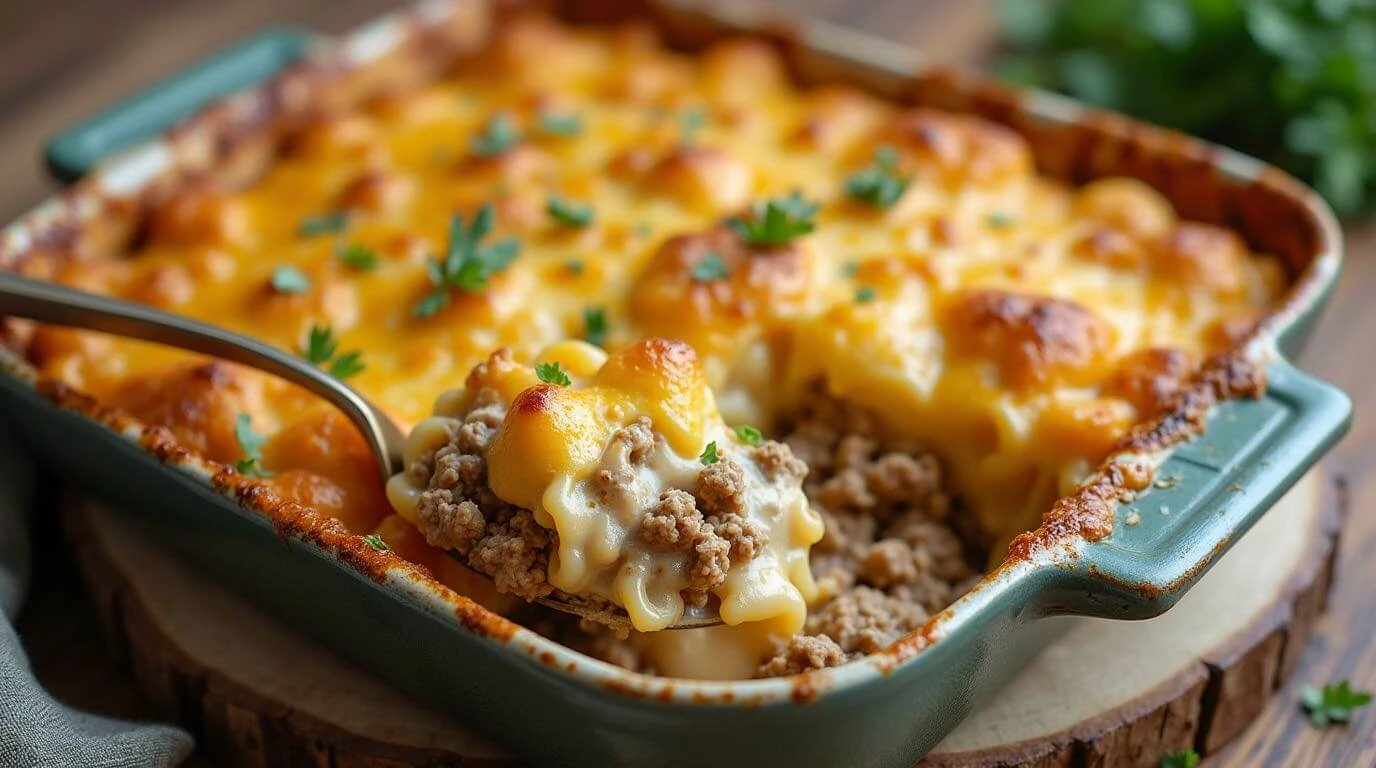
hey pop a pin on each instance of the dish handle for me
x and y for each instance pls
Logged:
(74, 152)
(1206, 495)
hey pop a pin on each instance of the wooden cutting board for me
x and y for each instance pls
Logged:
(1106, 694)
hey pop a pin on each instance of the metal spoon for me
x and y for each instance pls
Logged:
(58, 305)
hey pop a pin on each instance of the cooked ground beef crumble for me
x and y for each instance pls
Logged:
(890, 557)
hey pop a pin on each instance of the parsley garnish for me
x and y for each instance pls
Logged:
(709, 455)
(880, 184)
(574, 266)
(851, 268)
(1185, 758)
(560, 125)
(710, 268)
(595, 326)
(999, 220)
(567, 213)
(356, 256)
(866, 294)
(321, 348)
(325, 224)
(467, 265)
(1333, 704)
(748, 434)
(690, 125)
(497, 136)
(375, 541)
(776, 221)
(551, 373)
(251, 443)
(289, 279)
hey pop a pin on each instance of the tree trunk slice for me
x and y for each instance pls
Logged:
(1105, 694)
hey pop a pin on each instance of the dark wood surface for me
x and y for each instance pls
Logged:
(60, 61)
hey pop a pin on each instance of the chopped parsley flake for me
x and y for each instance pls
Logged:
(1332, 704)
(356, 256)
(880, 184)
(560, 125)
(375, 541)
(748, 434)
(851, 268)
(467, 264)
(289, 279)
(710, 268)
(866, 294)
(551, 373)
(251, 444)
(595, 326)
(1185, 758)
(709, 455)
(567, 213)
(777, 221)
(999, 220)
(322, 347)
(690, 125)
(498, 136)
(325, 224)
(574, 266)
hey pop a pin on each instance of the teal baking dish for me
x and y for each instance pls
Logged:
(1233, 457)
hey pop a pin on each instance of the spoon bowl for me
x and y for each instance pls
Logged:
(59, 305)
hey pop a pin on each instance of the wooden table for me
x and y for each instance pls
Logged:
(60, 62)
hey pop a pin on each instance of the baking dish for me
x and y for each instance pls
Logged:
(555, 706)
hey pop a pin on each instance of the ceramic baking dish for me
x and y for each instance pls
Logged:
(544, 701)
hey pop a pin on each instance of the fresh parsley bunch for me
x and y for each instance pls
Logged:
(1290, 81)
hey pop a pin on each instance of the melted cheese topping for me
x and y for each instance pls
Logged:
(1015, 324)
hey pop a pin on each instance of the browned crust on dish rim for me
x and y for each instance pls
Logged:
(231, 140)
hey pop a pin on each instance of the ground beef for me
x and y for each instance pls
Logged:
(707, 527)
(802, 653)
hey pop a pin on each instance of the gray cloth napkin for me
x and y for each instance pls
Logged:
(36, 731)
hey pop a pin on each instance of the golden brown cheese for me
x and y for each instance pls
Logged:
(1015, 324)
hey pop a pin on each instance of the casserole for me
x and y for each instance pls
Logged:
(974, 642)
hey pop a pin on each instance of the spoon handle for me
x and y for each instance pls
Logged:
(58, 305)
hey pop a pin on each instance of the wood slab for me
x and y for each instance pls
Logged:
(1105, 694)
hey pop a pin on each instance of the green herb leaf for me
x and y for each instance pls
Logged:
(595, 326)
(999, 220)
(1185, 758)
(468, 264)
(567, 213)
(289, 279)
(690, 125)
(321, 348)
(498, 136)
(777, 221)
(325, 224)
(375, 541)
(320, 344)
(851, 268)
(551, 373)
(251, 444)
(1332, 704)
(347, 364)
(748, 434)
(865, 294)
(574, 266)
(709, 455)
(356, 257)
(880, 184)
(710, 268)
(560, 125)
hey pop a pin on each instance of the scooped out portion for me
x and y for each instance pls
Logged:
(613, 478)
